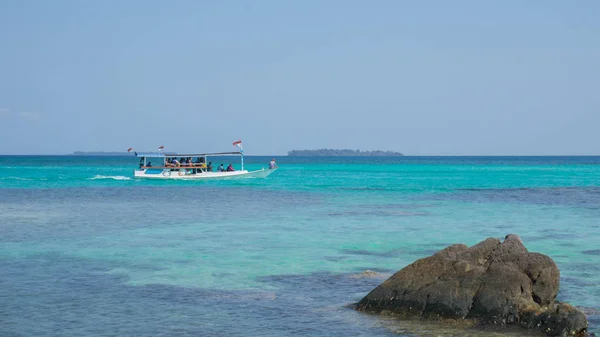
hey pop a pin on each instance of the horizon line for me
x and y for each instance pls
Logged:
(286, 155)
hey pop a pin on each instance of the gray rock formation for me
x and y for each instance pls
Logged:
(492, 282)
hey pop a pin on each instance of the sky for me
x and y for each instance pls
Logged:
(505, 77)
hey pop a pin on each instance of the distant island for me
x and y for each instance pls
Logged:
(342, 153)
(101, 153)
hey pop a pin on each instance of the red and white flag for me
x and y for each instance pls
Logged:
(129, 149)
(238, 143)
(161, 147)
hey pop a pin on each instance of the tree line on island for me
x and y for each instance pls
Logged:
(342, 153)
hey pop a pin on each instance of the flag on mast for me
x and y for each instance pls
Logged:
(129, 149)
(161, 147)
(238, 143)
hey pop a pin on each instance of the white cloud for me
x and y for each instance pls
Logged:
(30, 116)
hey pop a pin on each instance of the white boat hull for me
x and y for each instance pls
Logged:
(188, 174)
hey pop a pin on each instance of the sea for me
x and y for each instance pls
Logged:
(86, 250)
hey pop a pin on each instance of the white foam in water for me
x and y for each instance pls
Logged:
(99, 176)
(23, 179)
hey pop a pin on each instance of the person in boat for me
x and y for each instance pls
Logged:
(209, 167)
(230, 168)
(175, 162)
(149, 164)
(220, 168)
(273, 164)
(200, 164)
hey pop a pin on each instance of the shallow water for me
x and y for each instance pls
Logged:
(86, 250)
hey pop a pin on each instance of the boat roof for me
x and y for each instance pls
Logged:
(173, 155)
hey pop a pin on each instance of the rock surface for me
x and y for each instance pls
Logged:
(492, 282)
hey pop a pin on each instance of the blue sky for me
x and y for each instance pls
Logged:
(421, 77)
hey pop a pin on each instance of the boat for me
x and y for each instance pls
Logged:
(170, 168)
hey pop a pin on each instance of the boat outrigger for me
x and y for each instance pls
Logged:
(188, 168)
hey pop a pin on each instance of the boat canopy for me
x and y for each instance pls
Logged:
(175, 155)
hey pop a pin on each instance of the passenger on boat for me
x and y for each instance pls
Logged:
(273, 164)
(209, 167)
(230, 168)
(149, 164)
(175, 162)
(220, 168)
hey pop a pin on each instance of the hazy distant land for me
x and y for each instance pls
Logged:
(293, 153)
(100, 153)
(342, 153)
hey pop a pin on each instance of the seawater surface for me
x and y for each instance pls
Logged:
(86, 250)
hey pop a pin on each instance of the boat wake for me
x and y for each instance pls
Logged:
(98, 176)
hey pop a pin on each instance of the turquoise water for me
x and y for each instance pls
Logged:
(87, 250)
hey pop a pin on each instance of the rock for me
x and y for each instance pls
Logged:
(560, 320)
(367, 273)
(492, 282)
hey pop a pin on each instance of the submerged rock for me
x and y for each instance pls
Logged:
(366, 273)
(492, 282)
